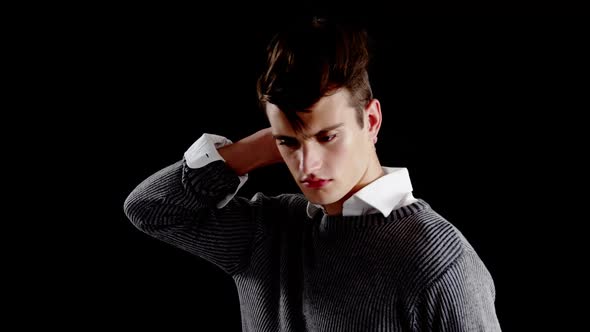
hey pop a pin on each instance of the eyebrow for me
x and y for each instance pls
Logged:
(323, 131)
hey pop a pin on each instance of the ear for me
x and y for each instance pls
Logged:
(373, 119)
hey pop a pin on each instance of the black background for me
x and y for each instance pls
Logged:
(482, 110)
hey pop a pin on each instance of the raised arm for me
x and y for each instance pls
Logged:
(191, 203)
(256, 150)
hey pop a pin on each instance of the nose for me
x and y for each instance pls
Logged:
(310, 160)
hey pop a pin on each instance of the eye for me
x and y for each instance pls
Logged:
(288, 143)
(328, 138)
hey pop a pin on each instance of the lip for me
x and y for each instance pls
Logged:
(316, 184)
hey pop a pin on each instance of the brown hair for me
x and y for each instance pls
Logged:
(310, 61)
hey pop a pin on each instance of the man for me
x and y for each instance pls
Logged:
(356, 251)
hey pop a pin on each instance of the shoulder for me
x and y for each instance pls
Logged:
(292, 200)
(294, 205)
(285, 201)
(275, 212)
(430, 244)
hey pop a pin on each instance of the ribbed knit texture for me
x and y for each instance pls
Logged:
(411, 271)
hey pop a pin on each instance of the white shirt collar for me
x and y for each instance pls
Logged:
(385, 194)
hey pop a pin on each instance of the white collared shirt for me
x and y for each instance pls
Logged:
(389, 192)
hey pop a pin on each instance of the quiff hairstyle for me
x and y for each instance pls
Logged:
(311, 60)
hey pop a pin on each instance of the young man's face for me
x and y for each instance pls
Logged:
(333, 157)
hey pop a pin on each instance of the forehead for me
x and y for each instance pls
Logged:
(329, 110)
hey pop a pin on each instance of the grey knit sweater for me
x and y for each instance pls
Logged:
(410, 271)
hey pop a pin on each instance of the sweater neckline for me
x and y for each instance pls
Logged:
(332, 223)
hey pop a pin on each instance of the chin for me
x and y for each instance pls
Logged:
(319, 198)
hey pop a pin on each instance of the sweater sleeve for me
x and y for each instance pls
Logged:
(179, 205)
(462, 299)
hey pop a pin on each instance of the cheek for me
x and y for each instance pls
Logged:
(338, 151)
(346, 146)
(348, 152)
(338, 154)
(291, 161)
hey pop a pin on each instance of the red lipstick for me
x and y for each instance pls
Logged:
(316, 183)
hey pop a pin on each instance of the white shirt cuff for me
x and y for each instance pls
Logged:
(204, 151)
